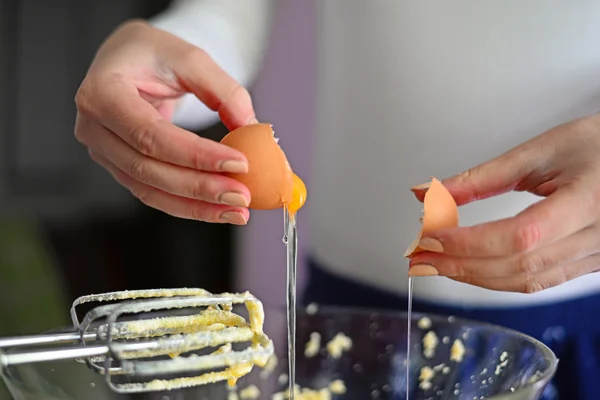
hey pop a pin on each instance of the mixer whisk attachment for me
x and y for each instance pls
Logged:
(154, 340)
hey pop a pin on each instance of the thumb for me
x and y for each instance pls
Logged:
(198, 73)
(491, 178)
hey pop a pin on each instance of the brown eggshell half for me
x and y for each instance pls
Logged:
(439, 212)
(270, 178)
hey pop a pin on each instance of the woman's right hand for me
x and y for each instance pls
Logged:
(125, 105)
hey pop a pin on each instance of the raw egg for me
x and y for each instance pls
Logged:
(439, 212)
(270, 179)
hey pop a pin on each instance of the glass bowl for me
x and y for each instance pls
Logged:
(497, 363)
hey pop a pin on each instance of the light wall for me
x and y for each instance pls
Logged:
(284, 96)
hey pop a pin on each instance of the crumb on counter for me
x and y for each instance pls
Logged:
(313, 345)
(425, 377)
(283, 379)
(312, 308)
(338, 345)
(457, 351)
(430, 342)
(250, 393)
(503, 363)
(269, 367)
(337, 387)
(232, 395)
(424, 323)
(427, 374)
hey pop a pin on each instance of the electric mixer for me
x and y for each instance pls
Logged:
(200, 341)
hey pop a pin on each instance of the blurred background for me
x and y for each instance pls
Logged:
(66, 228)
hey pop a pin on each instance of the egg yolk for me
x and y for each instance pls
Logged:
(298, 195)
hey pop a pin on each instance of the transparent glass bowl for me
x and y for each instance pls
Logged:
(374, 368)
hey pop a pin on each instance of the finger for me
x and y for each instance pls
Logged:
(497, 176)
(565, 212)
(117, 105)
(533, 283)
(200, 74)
(174, 205)
(509, 171)
(181, 181)
(575, 247)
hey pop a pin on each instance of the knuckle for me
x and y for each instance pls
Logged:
(93, 155)
(469, 173)
(83, 99)
(93, 95)
(533, 285)
(200, 190)
(459, 268)
(582, 125)
(200, 161)
(198, 213)
(526, 237)
(80, 134)
(466, 247)
(135, 25)
(194, 55)
(239, 92)
(561, 276)
(140, 170)
(468, 177)
(528, 264)
(594, 193)
(142, 194)
(238, 95)
(144, 138)
(80, 131)
(590, 200)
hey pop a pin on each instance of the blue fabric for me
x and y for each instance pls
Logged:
(570, 328)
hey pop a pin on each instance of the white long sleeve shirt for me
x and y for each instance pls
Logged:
(407, 90)
(234, 33)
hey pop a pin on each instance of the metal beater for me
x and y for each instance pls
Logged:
(153, 340)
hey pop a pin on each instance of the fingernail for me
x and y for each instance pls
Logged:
(422, 186)
(252, 120)
(235, 167)
(422, 270)
(233, 217)
(431, 244)
(234, 199)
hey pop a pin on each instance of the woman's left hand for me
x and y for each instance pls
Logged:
(551, 242)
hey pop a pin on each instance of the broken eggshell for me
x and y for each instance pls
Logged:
(439, 212)
(269, 179)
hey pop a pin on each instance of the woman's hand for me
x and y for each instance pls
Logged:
(550, 242)
(125, 105)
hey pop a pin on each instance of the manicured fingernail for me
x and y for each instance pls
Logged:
(234, 199)
(431, 244)
(422, 270)
(235, 167)
(422, 186)
(233, 217)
